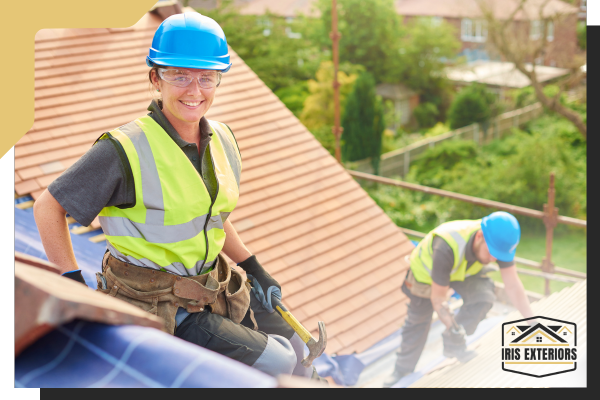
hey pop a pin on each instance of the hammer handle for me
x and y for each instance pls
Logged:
(290, 319)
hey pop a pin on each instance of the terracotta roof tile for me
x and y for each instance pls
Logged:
(308, 221)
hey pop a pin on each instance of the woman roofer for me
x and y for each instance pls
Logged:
(164, 186)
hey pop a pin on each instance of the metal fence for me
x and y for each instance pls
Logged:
(547, 270)
(397, 162)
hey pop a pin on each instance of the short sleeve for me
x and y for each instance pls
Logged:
(100, 178)
(443, 260)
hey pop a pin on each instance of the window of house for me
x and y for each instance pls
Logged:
(473, 30)
(538, 339)
(536, 30)
(513, 333)
(565, 333)
(537, 27)
(550, 32)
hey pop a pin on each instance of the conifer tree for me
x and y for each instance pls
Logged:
(363, 122)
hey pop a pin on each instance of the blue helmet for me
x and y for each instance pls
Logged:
(189, 40)
(502, 233)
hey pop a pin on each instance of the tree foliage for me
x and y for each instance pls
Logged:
(318, 108)
(370, 31)
(474, 103)
(517, 46)
(363, 122)
(264, 44)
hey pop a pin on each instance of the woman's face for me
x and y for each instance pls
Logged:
(184, 104)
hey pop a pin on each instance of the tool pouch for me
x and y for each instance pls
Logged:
(417, 288)
(162, 293)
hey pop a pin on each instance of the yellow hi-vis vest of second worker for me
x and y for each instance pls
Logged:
(174, 226)
(456, 234)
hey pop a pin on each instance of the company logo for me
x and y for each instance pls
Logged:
(545, 348)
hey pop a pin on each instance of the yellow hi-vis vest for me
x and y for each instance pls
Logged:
(174, 226)
(456, 234)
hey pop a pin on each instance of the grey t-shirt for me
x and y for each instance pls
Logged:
(102, 177)
(443, 259)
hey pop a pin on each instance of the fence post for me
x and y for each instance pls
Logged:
(496, 129)
(476, 133)
(406, 162)
(550, 220)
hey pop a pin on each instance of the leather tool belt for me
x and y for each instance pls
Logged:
(417, 288)
(222, 291)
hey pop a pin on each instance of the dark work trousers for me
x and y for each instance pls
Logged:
(478, 297)
(237, 341)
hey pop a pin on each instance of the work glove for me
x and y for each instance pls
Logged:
(263, 284)
(75, 275)
(455, 337)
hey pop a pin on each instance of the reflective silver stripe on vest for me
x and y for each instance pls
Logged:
(230, 152)
(174, 268)
(462, 247)
(121, 226)
(423, 262)
(151, 187)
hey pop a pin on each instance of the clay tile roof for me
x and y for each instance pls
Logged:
(470, 8)
(335, 252)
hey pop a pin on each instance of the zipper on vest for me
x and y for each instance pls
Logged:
(212, 202)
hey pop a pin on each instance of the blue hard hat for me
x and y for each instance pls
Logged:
(502, 233)
(189, 40)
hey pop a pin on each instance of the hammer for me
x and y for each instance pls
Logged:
(315, 347)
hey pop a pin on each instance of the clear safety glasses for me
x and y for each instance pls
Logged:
(207, 79)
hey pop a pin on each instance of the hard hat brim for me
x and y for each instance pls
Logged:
(188, 63)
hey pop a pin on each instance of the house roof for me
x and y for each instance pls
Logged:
(285, 8)
(335, 252)
(501, 74)
(414, 8)
(470, 8)
(485, 370)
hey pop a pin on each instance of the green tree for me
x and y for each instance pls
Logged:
(370, 32)
(473, 103)
(582, 35)
(264, 43)
(363, 122)
(318, 108)
(424, 53)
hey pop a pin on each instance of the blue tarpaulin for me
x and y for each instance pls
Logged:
(88, 254)
(90, 354)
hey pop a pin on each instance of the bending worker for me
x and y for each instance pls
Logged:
(164, 186)
(452, 256)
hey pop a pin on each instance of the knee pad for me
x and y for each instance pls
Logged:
(278, 357)
(299, 345)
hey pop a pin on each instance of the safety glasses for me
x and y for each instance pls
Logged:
(207, 79)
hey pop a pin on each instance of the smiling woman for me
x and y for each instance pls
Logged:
(170, 179)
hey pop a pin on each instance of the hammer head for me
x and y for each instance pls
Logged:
(316, 348)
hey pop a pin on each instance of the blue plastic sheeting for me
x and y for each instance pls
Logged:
(345, 370)
(91, 354)
(88, 254)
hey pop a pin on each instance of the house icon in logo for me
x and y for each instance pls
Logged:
(546, 347)
(540, 334)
